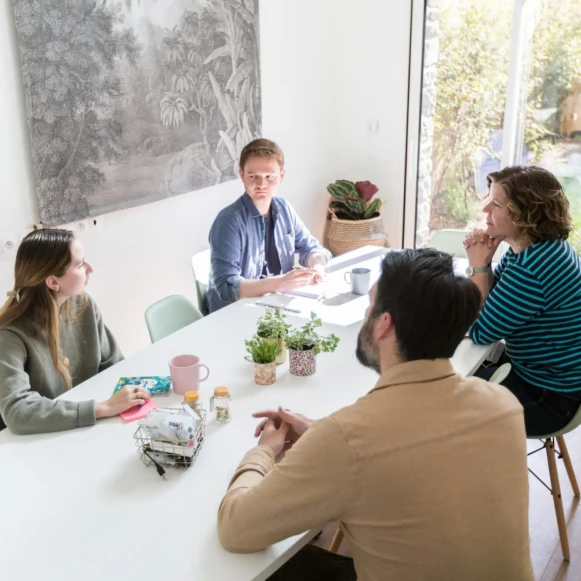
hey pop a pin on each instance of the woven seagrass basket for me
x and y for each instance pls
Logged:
(345, 235)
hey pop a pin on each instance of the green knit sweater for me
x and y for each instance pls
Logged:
(29, 381)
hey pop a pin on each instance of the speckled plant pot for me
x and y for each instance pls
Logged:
(302, 362)
(265, 373)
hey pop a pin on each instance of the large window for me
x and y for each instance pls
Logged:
(501, 85)
(551, 110)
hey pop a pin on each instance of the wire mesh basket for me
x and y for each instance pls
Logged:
(180, 453)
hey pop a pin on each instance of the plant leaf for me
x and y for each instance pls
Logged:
(373, 208)
(342, 189)
(217, 53)
(242, 73)
(230, 146)
(222, 102)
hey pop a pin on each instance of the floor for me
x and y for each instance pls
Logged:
(545, 547)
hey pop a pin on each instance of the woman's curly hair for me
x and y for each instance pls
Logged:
(537, 203)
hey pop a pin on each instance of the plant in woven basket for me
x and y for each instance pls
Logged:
(354, 200)
(306, 338)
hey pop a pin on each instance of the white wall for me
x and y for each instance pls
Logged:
(327, 67)
(373, 84)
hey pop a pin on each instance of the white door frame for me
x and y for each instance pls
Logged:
(414, 122)
(524, 20)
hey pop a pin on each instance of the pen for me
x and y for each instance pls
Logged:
(278, 307)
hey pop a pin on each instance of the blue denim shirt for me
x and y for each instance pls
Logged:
(237, 247)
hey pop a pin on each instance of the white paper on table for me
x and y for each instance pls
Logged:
(313, 291)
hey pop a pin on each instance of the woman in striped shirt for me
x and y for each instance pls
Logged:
(533, 299)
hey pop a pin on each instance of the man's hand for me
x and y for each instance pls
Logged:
(320, 275)
(296, 278)
(298, 424)
(274, 437)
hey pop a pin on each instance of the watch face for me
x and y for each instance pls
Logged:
(470, 271)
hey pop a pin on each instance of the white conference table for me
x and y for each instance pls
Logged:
(81, 505)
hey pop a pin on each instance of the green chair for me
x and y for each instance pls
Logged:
(449, 241)
(555, 489)
(201, 268)
(169, 315)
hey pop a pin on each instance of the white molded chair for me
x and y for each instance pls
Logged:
(501, 373)
(555, 489)
(549, 447)
(201, 267)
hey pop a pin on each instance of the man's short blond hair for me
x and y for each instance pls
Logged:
(261, 148)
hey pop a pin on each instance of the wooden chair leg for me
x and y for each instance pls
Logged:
(337, 540)
(557, 500)
(568, 465)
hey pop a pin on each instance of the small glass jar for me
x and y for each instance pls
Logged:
(192, 399)
(221, 402)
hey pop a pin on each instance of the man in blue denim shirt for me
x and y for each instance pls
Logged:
(253, 241)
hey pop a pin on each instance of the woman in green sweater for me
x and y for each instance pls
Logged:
(52, 337)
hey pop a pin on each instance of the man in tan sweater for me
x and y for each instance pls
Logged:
(427, 473)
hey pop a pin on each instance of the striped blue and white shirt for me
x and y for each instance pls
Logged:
(535, 305)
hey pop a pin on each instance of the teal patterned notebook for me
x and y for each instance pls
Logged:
(155, 384)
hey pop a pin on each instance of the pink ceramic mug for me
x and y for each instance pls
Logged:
(185, 373)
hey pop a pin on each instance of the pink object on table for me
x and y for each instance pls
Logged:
(138, 413)
(185, 373)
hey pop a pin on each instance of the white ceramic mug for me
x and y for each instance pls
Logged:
(360, 280)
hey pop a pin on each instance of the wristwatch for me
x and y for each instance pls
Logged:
(472, 270)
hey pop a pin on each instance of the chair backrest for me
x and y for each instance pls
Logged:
(169, 315)
(501, 373)
(449, 241)
(201, 268)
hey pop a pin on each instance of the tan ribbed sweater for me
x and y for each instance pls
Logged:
(427, 475)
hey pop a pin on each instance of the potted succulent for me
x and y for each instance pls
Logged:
(262, 353)
(355, 216)
(272, 326)
(305, 343)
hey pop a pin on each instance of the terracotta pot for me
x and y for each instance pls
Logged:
(265, 373)
(281, 357)
(302, 362)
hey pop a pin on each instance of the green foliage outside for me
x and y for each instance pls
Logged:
(471, 81)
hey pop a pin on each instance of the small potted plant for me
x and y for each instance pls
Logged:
(272, 326)
(262, 353)
(305, 344)
(355, 216)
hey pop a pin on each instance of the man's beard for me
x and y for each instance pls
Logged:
(366, 352)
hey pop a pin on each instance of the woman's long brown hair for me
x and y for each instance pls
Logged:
(42, 253)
